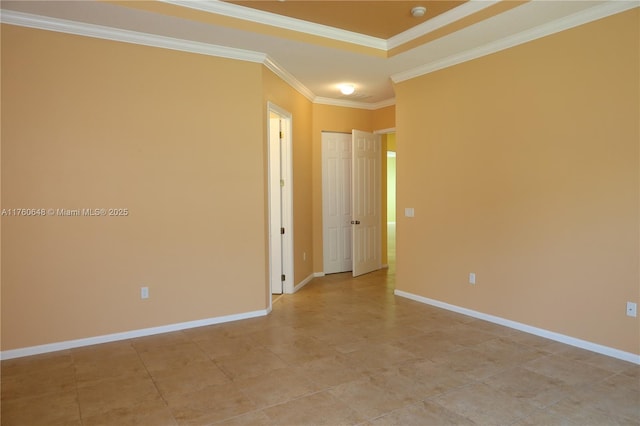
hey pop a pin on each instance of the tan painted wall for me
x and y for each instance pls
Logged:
(523, 168)
(287, 98)
(384, 118)
(90, 123)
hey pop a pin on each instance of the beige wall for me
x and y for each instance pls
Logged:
(384, 118)
(90, 123)
(287, 98)
(522, 167)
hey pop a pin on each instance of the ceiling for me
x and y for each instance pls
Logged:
(383, 19)
(317, 44)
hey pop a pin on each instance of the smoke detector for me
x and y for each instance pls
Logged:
(418, 11)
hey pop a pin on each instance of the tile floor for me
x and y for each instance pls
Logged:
(340, 351)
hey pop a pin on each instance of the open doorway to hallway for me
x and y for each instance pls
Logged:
(391, 201)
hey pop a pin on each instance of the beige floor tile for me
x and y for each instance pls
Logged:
(276, 387)
(254, 418)
(596, 360)
(379, 356)
(158, 358)
(473, 364)
(301, 350)
(486, 406)
(569, 371)
(152, 412)
(251, 363)
(526, 384)
(369, 397)
(225, 346)
(60, 409)
(544, 417)
(609, 396)
(580, 413)
(421, 414)
(317, 409)
(107, 395)
(420, 379)
(39, 382)
(92, 370)
(328, 371)
(209, 405)
(188, 378)
(508, 352)
(429, 345)
(30, 364)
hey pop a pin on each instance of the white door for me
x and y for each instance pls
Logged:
(280, 201)
(336, 201)
(365, 201)
(275, 205)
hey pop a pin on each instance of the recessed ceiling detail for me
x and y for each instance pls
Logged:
(380, 19)
(312, 57)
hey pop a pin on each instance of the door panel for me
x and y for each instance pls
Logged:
(336, 202)
(275, 205)
(366, 205)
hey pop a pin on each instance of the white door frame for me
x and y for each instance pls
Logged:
(285, 187)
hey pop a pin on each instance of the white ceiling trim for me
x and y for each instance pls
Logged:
(450, 16)
(285, 22)
(354, 104)
(579, 18)
(289, 78)
(134, 37)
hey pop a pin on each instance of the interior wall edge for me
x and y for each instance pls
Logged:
(558, 337)
(95, 340)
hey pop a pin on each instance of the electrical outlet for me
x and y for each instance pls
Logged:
(472, 278)
(632, 309)
(144, 292)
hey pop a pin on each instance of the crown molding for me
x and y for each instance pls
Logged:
(453, 15)
(127, 36)
(580, 18)
(354, 104)
(261, 17)
(288, 78)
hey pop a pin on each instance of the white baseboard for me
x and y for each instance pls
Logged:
(307, 280)
(590, 346)
(70, 344)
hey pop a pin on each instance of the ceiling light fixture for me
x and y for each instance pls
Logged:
(347, 89)
(418, 11)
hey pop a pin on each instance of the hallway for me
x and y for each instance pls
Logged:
(342, 350)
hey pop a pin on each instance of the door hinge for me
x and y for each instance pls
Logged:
(282, 231)
(282, 277)
(281, 135)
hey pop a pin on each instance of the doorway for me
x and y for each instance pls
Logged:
(391, 201)
(280, 200)
(351, 164)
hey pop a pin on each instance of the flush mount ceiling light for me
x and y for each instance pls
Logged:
(418, 11)
(347, 89)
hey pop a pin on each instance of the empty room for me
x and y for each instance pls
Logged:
(197, 228)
